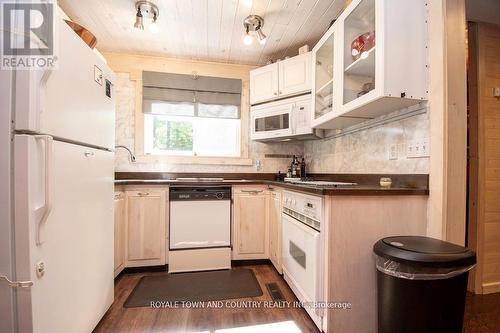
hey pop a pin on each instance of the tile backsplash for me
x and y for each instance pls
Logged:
(367, 151)
(364, 151)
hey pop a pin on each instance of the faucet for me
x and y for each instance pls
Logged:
(132, 156)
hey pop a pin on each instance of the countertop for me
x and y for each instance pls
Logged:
(360, 189)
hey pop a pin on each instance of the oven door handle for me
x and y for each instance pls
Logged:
(309, 230)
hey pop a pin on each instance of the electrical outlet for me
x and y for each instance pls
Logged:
(417, 148)
(393, 152)
(258, 165)
(425, 148)
(410, 149)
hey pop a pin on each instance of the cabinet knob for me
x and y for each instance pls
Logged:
(275, 93)
(281, 92)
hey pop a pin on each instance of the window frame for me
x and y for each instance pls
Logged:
(242, 160)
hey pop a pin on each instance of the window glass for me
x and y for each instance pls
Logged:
(192, 130)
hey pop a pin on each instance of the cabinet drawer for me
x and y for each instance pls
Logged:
(250, 190)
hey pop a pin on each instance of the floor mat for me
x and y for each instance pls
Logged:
(194, 287)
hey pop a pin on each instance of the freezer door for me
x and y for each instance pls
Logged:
(71, 100)
(64, 234)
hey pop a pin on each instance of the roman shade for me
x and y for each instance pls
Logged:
(181, 88)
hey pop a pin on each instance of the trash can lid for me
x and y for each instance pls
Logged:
(424, 251)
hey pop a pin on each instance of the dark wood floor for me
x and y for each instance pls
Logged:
(120, 319)
(482, 313)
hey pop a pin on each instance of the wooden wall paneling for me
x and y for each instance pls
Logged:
(206, 29)
(214, 24)
(448, 120)
(299, 18)
(323, 13)
(488, 228)
(473, 154)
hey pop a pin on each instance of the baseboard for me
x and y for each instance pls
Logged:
(250, 262)
(164, 268)
(143, 269)
(492, 287)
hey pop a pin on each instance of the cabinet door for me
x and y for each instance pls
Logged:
(264, 83)
(295, 75)
(275, 229)
(146, 236)
(251, 225)
(119, 232)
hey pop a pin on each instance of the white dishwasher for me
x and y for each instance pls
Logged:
(200, 229)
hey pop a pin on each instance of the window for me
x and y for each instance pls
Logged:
(186, 116)
(192, 130)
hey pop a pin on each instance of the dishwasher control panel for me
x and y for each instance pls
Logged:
(200, 193)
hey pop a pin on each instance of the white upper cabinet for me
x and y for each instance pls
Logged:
(322, 77)
(379, 62)
(284, 78)
(264, 83)
(294, 75)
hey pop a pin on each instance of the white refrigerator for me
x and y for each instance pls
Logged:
(56, 193)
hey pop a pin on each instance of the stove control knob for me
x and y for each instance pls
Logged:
(219, 195)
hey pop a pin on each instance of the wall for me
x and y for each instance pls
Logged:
(129, 123)
(483, 11)
(364, 151)
(367, 151)
(485, 232)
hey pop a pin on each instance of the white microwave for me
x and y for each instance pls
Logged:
(283, 120)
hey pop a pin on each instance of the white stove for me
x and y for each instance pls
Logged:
(302, 250)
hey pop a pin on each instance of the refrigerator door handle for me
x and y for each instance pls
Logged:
(16, 284)
(41, 213)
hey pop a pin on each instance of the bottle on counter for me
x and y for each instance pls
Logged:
(303, 168)
(289, 172)
(294, 165)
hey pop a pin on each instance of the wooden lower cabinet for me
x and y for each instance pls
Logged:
(146, 234)
(250, 223)
(275, 228)
(119, 236)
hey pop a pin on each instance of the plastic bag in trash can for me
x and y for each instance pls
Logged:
(405, 271)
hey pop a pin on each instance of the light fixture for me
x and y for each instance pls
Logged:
(138, 20)
(153, 27)
(149, 10)
(262, 38)
(254, 24)
(248, 39)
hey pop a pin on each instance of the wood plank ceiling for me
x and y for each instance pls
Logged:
(207, 29)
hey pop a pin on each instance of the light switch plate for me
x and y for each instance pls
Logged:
(393, 151)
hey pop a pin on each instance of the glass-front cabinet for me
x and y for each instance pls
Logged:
(372, 61)
(323, 91)
(359, 51)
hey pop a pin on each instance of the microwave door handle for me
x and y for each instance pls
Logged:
(292, 118)
(43, 211)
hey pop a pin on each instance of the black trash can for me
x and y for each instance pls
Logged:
(422, 284)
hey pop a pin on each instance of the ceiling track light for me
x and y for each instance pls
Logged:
(149, 10)
(253, 25)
